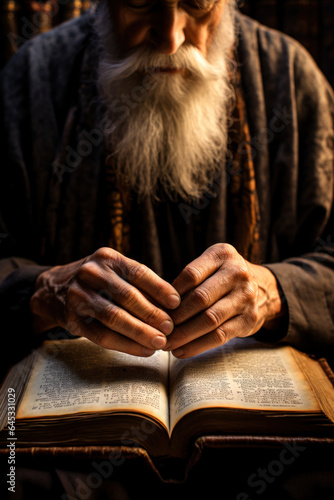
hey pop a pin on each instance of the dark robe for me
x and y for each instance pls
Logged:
(53, 178)
(54, 210)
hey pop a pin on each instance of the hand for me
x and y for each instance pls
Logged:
(223, 296)
(114, 301)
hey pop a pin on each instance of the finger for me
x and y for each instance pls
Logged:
(199, 270)
(241, 302)
(203, 323)
(116, 318)
(204, 296)
(233, 274)
(139, 276)
(112, 316)
(235, 327)
(108, 339)
(117, 290)
(151, 284)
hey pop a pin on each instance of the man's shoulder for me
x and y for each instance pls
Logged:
(262, 38)
(68, 36)
(275, 54)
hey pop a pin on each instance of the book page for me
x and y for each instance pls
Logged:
(16, 379)
(72, 376)
(241, 374)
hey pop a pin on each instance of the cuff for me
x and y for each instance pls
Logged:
(309, 325)
(15, 316)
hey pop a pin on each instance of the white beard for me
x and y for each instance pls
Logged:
(167, 130)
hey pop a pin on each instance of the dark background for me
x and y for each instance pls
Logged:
(311, 22)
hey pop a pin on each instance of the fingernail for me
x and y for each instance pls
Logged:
(166, 327)
(167, 346)
(159, 342)
(174, 301)
(178, 353)
(147, 352)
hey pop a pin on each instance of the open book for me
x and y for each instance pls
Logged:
(75, 393)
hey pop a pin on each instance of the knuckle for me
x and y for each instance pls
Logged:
(101, 338)
(87, 270)
(201, 297)
(253, 316)
(153, 316)
(73, 324)
(250, 291)
(137, 334)
(240, 273)
(247, 322)
(112, 314)
(212, 318)
(218, 336)
(221, 251)
(137, 272)
(102, 253)
(129, 295)
(74, 297)
(85, 311)
(192, 275)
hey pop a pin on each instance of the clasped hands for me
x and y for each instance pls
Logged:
(123, 305)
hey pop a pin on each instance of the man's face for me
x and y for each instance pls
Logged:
(165, 24)
(171, 131)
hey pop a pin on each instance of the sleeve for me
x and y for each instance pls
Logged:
(302, 215)
(16, 289)
(307, 284)
(35, 89)
(19, 257)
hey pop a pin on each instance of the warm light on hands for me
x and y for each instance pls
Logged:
(223, 296)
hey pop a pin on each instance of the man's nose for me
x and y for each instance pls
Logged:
(168, 30)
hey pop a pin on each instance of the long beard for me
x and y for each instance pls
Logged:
(168, 131)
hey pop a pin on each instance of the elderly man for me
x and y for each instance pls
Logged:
(166, 182)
